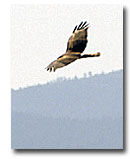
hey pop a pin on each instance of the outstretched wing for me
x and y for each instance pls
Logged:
(78, 41)
(75, 46)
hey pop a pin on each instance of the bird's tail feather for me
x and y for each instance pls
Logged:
(91, 55)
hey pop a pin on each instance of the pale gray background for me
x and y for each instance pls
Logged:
(39, 34)
(85, 113)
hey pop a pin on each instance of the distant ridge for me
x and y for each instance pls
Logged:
(62, 79)
(85, 113)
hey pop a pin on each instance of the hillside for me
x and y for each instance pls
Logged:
(84, 113)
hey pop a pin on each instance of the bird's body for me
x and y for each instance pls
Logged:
(75, 46)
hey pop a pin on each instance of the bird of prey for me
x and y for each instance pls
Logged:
(75, 46)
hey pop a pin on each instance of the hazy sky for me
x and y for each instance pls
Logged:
(39, 34)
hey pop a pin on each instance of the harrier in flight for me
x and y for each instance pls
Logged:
(75, 46)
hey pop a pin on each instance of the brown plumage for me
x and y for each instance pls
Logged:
(75, 46)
